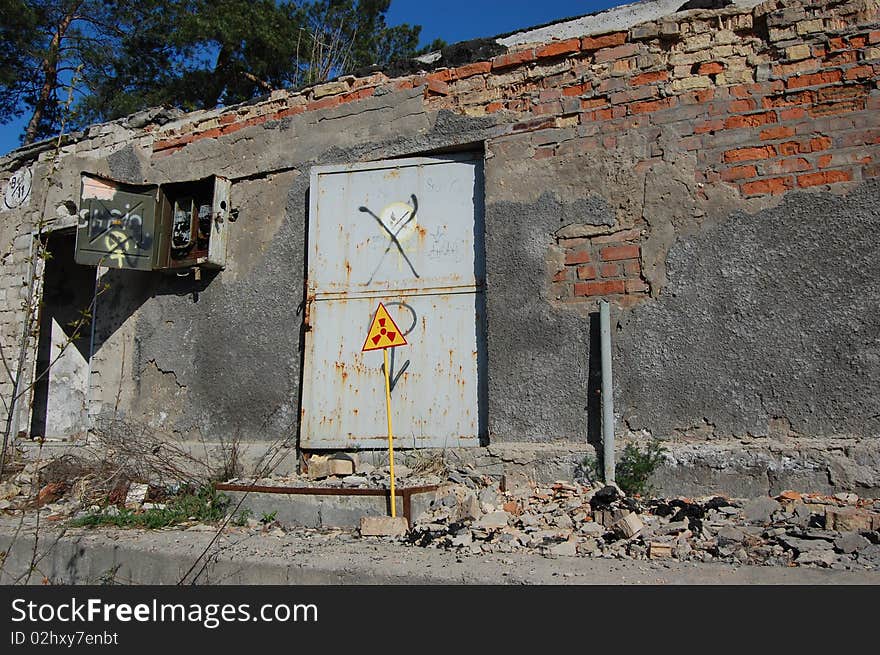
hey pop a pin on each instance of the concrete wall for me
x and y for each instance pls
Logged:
(711, 173)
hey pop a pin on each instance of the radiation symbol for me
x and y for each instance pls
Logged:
(383, 333)
(397, 218)
(115, 242)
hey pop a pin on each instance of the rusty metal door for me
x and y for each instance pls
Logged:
(407, 233)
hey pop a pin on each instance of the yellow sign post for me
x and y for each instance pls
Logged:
(385, 334)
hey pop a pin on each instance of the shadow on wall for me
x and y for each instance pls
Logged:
(594, 387)
(126, 291)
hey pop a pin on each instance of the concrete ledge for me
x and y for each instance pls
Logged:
(164, 556)
(323, 511)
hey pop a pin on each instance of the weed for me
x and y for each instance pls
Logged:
(241, 518)
(633, 469)
(268, 517)
(206, 505)
(591, 468)
(636, 466)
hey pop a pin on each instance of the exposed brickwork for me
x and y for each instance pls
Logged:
(759, 96)
(601, 266)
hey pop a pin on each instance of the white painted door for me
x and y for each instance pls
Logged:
(407, 233)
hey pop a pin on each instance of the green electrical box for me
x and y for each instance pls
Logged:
(164, 227)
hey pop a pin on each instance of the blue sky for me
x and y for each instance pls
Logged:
(450, 20)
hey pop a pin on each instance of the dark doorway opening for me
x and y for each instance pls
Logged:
(60, 392)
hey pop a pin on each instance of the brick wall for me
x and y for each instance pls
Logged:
(777, 98)
(603, 265)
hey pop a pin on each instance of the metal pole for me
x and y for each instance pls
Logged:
(390, 436)
(607, 392)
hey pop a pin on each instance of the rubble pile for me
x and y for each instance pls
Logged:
(565, 518)
(347, 472)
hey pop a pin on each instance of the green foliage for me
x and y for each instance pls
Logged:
(636, 466)
(206, 506)
(268, 517)
(592, 467)
(191, 54)
(240, 519)
(633, 469)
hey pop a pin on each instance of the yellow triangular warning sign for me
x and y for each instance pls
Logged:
(383, 333)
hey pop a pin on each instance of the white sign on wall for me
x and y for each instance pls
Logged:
(18, 189)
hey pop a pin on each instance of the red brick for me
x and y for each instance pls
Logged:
(438, 87)
(561, 276)
(603, 41)
(738, 173)
(359, 94)
(513, 59)
(615, 253)
(697, 97)
(610, 54)
(824, 161)
(577, 257)
(874, 36)
(792, 114)
(777, 132)
(226, 119)
(446, 75)
(834, 108)
(592, 103)
(857, 42)
(632, 267)
(649, 78)
(586, 272)
(709, 126)
(636, 286)
(824, 177)
(797, 68)
(787, 100)
(749, 154)
(818, 143)
(492, 107)
(557, 49)
(773, 185)
(795, 165)
(827, 77)
(789, 148)
(835, 93)
(577, 89)
(741, 106)
(599, 288)
(470, 70)
(750, 120)
(859, 72)
(836, 44)
(653, 105)
(840, 59)
(328, 102)
(710, 68)
(609, 270)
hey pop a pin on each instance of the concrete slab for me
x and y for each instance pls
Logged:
(384, 526)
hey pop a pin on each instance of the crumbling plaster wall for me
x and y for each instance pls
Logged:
(231, 360)
(711, 173)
